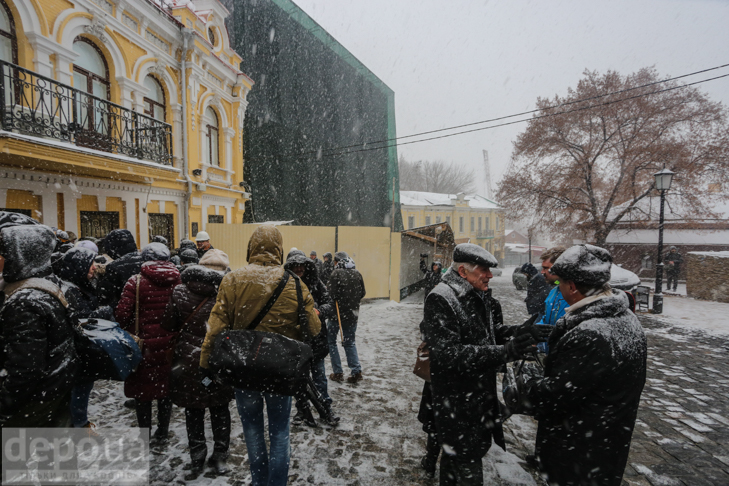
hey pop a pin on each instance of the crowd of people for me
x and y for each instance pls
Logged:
(174, 304)
(585, 398)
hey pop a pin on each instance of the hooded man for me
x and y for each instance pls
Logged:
(587, 401)
(467, 347)
(120, 246)
(243, 294)
(318, 263)
(432, 276)
(38, 353)
(347, 289)
(305, 269)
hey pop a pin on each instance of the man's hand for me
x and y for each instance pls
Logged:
(520, 347)
(540, 332)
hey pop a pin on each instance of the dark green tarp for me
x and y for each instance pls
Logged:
(311, 95)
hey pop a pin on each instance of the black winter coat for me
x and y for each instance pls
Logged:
(465, 342)
(677, 260)
(537, 292)
(327, 267)
(588, 400)
(432, 277)
(38, 353)
(115, 277)
(347, 288)
(198, 283)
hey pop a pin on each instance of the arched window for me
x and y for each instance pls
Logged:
(90, 72)
(154, 102)
(211, 137)
(211, 36)
(8, 42)
(91, 75)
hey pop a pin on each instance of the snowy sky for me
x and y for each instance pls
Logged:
(462, 61)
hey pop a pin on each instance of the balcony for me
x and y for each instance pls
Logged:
(42, 107)
(485, 234)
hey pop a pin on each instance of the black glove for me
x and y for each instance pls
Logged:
(520, 347)
(540, 333)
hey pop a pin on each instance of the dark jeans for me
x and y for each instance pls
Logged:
(164, 413)
(671, 278)
(349, 329)
(195, 423)
(269, 467)
(80, 403)
(460, 473)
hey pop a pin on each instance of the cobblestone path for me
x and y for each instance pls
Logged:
(681, 438)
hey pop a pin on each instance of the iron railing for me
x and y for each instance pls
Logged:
(489, 233)
(42, 107)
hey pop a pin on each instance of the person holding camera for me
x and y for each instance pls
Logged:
(432, 275)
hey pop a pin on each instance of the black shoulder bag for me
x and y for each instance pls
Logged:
(264, 361)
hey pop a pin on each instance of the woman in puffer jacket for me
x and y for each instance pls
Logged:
(187, 313)
(151, 380)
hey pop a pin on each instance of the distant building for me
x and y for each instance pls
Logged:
(473, 218)
(634, 243)
(516, 247)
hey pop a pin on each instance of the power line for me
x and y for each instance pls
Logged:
(526, 119)
(323, 152)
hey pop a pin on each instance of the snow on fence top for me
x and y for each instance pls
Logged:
(715, 254)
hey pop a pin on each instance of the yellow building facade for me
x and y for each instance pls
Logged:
(121, 114)
(472, 218)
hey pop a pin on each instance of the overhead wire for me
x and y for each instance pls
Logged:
(362, 146)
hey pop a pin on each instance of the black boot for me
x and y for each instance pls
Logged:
(131, 403)
(328, 417)
(219, 465)
(196, 469)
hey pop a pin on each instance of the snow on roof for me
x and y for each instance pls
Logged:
(508, 232)
(715, 254)
(522, 248)
(420, 198)
(648, 209)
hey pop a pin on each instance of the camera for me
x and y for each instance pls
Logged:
(423, 255)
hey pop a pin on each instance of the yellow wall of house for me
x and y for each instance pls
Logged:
(115, 204)
(25, 200)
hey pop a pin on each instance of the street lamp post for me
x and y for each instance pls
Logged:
(663, 183)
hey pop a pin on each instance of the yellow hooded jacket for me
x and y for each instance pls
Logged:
(244, 292)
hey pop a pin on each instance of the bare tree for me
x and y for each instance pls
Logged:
(589, 163)
(435, 176)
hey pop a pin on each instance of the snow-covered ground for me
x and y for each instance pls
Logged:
(379, 440)
(712, 317)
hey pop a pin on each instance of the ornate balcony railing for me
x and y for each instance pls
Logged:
(42, 107)
(485, 233)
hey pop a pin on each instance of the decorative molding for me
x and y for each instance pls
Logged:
(97, 27)
(157, 40)
(158, 68)
(105, 5)
(130, 22)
